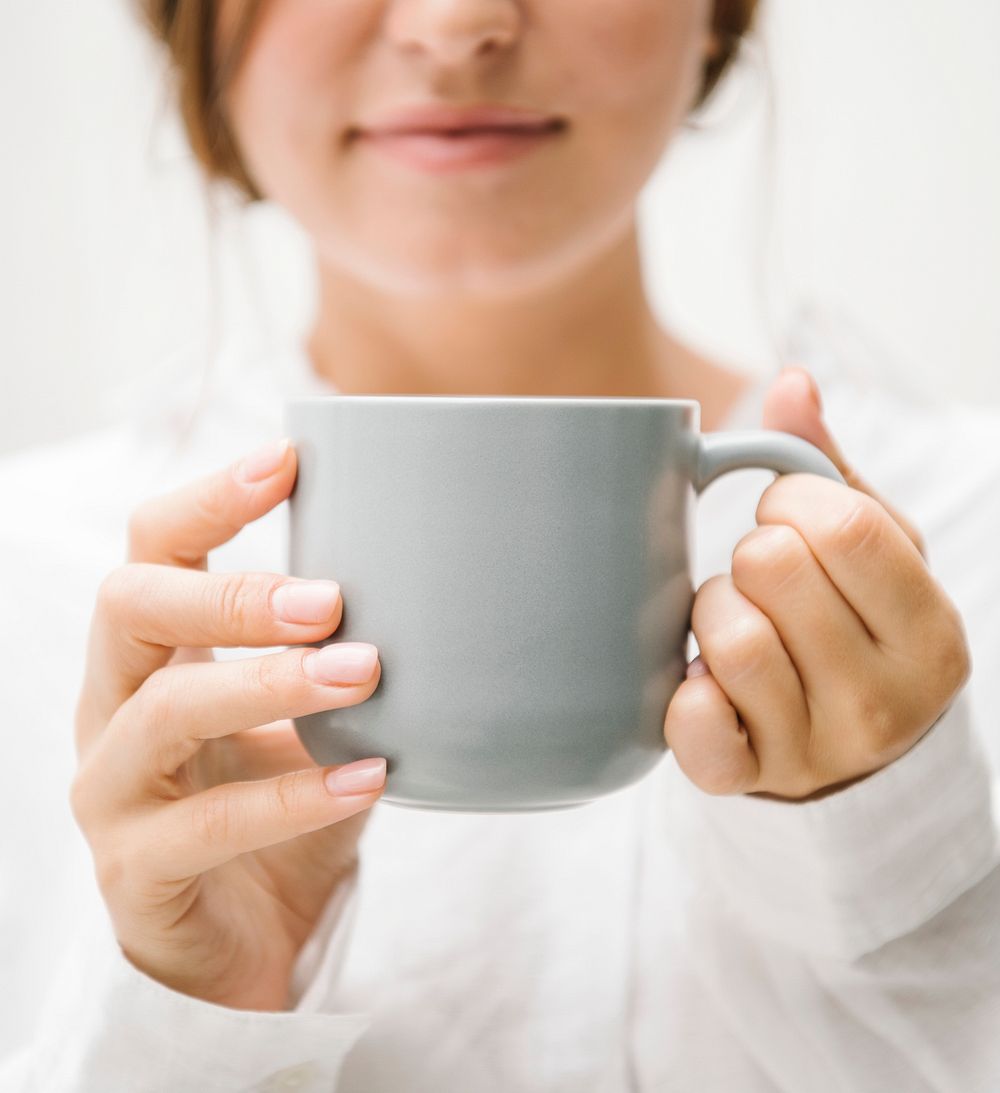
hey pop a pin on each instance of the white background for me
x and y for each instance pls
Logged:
(853, 161)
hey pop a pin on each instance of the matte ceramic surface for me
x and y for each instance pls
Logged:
(523, 566)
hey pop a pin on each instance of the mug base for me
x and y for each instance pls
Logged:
(438, 806)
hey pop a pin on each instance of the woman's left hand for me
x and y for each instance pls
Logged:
(830, 649)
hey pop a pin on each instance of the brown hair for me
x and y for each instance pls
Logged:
(187, 29)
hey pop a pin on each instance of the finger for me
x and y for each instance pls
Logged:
(746, 657)
(145, 611)
(711, 746)
(866, 554)
(185, 654)
(263, 751)
(827, 642)
(794, 405)
(180, 527)
(210, 828)
(178, 708)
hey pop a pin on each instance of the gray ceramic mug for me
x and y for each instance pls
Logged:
(523, 566)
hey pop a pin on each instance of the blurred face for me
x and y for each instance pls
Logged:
(432, 146)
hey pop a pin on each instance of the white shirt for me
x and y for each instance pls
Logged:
(657, 939)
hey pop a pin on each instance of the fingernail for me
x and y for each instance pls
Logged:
(341, 662)
(697, 667)
(359, 777)
(263, 462)
(305, 601)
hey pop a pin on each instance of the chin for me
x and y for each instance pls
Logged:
(494, 267)
(465, 279)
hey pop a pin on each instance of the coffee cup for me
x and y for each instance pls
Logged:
(523, 565)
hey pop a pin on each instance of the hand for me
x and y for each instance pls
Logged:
(830, 649)
(216, 839)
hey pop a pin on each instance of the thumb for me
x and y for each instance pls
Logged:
(793, 404)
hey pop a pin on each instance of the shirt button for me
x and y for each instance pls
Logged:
(300, 1077)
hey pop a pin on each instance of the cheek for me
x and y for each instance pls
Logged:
(628, 71)
(636, 38)
(636, 61)
(295, 91)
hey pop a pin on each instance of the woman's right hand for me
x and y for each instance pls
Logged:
(216, 839)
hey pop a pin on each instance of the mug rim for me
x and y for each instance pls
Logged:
(497, 400)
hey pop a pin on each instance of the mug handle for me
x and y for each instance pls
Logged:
(719, 453)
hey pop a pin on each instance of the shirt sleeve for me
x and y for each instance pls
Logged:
(847, 873)
(90, 1021)
(109, 1026)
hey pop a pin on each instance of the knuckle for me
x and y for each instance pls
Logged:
(215, 501)
(219, 504)
(156, 699)
(880, 719)
(110, 872)
(118, 589)
(709, 592)
(267, 678)
(810, 770)
(861, 528)
(288, 795)
(719, 767)
(149, 718)
(88, 721)
(742, 647)
(113, 869)
(213, 818)
(939, 661)
(81, 800)
(954, 660)
(747, 557)
(233, 600)
(118, 858)
(710, 597)
(961, 663)
(769, 555)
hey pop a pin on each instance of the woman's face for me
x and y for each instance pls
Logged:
(462, 145)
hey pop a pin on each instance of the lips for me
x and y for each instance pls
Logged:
(439, 137)
(439, 119)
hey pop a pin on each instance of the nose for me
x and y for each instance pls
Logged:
(453, 31)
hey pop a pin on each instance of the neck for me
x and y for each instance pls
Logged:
(591, 334)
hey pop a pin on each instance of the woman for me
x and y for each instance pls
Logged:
(800, 898)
